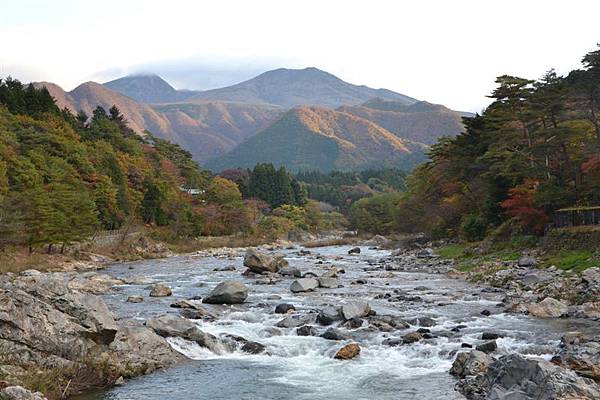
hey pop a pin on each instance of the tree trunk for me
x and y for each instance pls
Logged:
(50, 248)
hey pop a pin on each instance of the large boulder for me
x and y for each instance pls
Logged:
(580, 355)
(356, 309)
(294, 321)
(142, 349)
(470, 363)
(304, 285)
(260, 262)
(228, 292)
(348, 352)
(547, 308)
(329, 315)
(516, 377)
(328, 283)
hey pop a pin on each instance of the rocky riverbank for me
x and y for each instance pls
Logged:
(347, 302)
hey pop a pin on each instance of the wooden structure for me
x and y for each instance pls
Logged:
(576, 216)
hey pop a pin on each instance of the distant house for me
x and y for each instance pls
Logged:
(192, 191)
(576, 216)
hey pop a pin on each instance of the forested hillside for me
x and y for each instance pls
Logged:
(534, 150)
(65, 176)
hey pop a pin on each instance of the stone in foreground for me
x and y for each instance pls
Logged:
(348, 352)
(516, 377)
(228, 292)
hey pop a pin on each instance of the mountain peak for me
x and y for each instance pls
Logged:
(145, 88)
(287, 88)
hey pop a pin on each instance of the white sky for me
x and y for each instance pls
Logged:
(446, 52)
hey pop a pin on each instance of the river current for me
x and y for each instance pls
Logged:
(303, 367)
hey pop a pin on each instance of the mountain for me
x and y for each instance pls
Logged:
(421, 121)
(292, 87)
(148, 88)
(206, 129)
(320, 138)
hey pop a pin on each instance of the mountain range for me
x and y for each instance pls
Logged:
(302, 119)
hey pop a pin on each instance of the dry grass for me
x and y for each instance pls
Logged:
(18, 260)
(335, 241)
(64, 383)
(187, 246)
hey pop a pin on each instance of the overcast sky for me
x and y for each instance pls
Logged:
(446, 52)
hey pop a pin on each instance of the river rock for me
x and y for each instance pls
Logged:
(306, 330)
(260, 262)
(160, 290)
(253, 347)
(354, 250)
(304, 285)
(135, 299)
(527, 261)
(332, 272)
(197, 313)
(334, 334)
(142, 350)
(411, 337)
(580, 355)
(329, 315)
(291, 271)
(547, 308)
(228, 292)
(348, 352)
(175, 326)
(356, 309)
(516, 377)
(195, 304)
(284, 308)
(470, 363)
(19, 393)
(294, 321)
(487, 347)
(491, 336)
(328, 283)
(423, 321)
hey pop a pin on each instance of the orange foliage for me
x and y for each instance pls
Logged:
(521, 205)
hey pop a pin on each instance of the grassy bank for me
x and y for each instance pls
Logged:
(468, 258)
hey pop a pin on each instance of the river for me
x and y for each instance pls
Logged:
(302, 367)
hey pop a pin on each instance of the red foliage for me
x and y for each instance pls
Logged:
(591, 166)
(521, 205)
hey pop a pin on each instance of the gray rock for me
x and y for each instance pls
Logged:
(516, 377)
(306, 330)
(304, 285)
(228, 292)
(423, 321)
(354, 250)
(487, 347)
(355, 309)
(580, 355)
(284, 308)
(194, 304)
(334, 334)
(470, 363)
(260, 262)
(253, 347)
(175, 326)
(294, 321)
(527, 261)
(20, 393)
(329, 315)
(328, 283)
(160, 290)
(291, 271)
